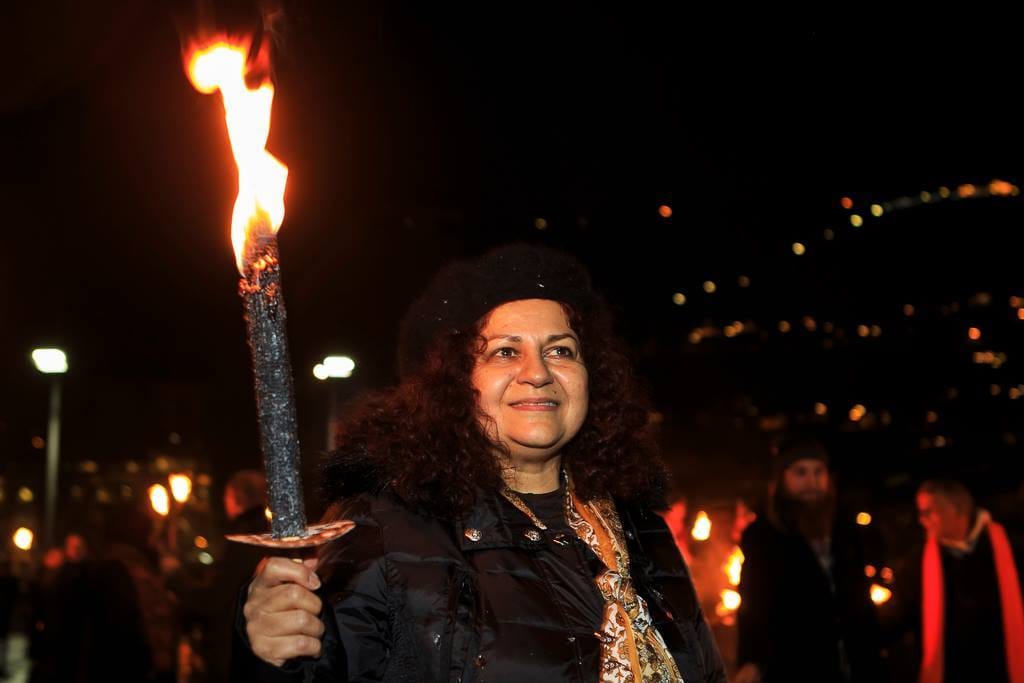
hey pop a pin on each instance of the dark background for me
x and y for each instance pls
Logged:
(418, 132)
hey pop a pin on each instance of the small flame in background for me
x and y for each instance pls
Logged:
(880, 594)
(701, 527)
(734, 566)
(223, 64)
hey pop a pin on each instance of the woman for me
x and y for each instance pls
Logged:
(502, 494)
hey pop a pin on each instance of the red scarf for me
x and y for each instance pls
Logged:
(933, 608)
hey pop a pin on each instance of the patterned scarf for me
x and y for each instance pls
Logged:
(632, 650)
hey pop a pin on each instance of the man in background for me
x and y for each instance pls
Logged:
(806, 612)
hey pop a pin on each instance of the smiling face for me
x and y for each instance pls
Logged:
(530, 379)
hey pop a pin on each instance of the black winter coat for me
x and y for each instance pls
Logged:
(413, 598)
(791, 621)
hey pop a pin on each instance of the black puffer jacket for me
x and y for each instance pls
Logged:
(416, 599)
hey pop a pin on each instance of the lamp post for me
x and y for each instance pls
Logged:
(333, 367)
(51, 362)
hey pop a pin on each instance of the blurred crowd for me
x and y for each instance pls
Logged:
(129, 609)
(797, 589)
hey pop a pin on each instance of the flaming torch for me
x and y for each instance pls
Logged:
(224, 64)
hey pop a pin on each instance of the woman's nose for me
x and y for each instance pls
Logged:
(534, 370)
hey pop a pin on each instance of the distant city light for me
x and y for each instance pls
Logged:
(908, 310)
(205, 558)
(863, 518)
(784, 326)
(856, 220)
(799, 249)
(743, 281)
(877, 210)
(846, 203)
(25, 494)
(820, 409)
(973, 333)
(665, 211)
(710, 287)
(540, 224)
(201, 542)
(857, 412)
(926, 196)
(870, 571)
(679, 298)
(829, 234)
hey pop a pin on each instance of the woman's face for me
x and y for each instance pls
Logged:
(531, 379)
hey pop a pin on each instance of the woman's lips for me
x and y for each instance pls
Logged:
(535, 404)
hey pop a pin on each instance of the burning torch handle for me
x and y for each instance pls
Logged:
(266, 319)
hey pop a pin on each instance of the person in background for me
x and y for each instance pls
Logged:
(8, 598)
(806, 612)
(245, 502)
(965, 591)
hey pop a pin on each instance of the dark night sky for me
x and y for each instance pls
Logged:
(416, 132)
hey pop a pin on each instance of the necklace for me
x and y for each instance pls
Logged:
(521, 505)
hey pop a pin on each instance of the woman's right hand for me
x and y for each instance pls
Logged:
(282, 614)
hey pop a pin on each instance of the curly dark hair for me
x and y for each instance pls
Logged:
(422, 441)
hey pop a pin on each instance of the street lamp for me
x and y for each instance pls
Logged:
(333, 367)
(51, 362)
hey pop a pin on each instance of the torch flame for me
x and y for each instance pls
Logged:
(734, 566)
(701, 527)
(880, 594)
(223, 65)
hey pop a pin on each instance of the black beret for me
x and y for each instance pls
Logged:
(464, 291)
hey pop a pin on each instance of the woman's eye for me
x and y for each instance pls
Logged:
(505, 352)
(563, 352)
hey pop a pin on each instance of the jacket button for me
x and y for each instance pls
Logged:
(532, 535)
(473, 535)
(479, 661)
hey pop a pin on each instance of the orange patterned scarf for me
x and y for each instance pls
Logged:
(632, 650)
